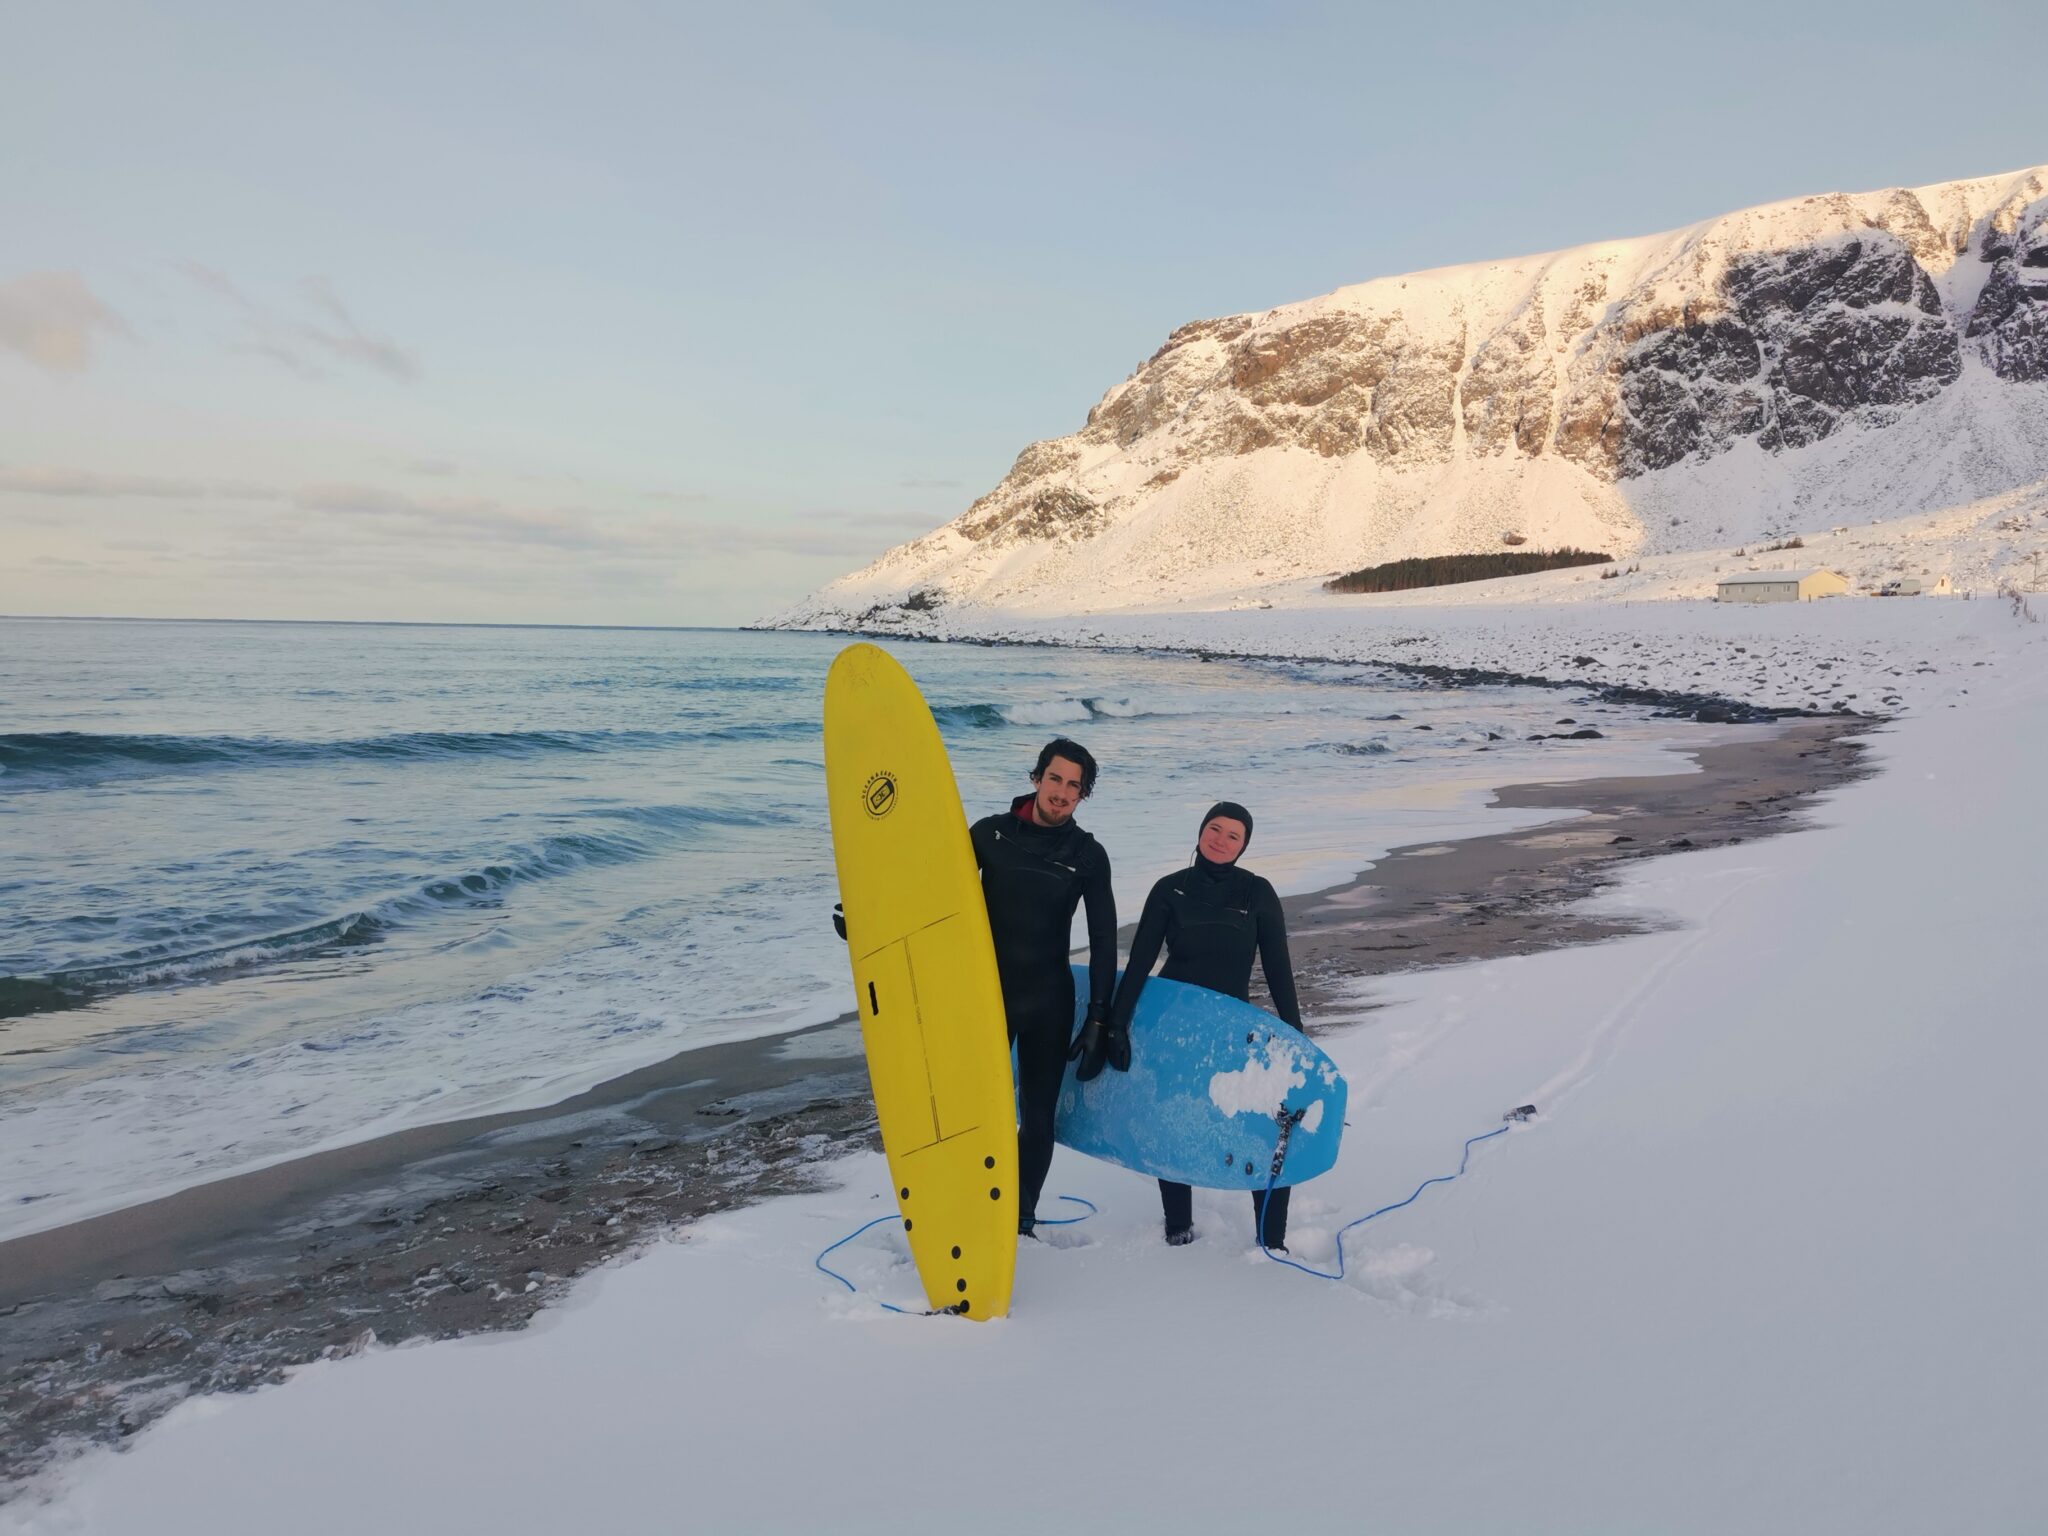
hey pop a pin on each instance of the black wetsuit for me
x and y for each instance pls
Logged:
(1033, 877)
(1214, 919)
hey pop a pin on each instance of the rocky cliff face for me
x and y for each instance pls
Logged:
(1786, 347)
(2010, 318)
(1779, 355)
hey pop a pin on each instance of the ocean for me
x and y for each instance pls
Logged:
(269, 888)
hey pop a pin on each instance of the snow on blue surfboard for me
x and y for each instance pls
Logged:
(1213, 1086)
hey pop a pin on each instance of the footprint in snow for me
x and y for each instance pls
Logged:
(1063, 1237)
(1402, 1275)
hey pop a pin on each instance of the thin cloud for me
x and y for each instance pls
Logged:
(894, 520)
(285, 358)
(433, 468)
(32, 481)
(222, 287)
(309, 346)
(351, 342)
(462, 518)
(478, 516)
(346, 498)
(839, 535)
(341, 516)
(52, 318)
(79, 482)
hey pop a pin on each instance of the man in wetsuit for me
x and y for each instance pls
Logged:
(1037, 865)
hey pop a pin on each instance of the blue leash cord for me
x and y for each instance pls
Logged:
(1338, 1273)
(1066, 1221)
(819, 1261)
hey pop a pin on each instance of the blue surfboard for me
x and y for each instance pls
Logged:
(1214, 1085)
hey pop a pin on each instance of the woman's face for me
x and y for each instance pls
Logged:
(1222, 839)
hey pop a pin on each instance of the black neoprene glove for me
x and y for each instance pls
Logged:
(1116, 1046)
(1088, 1048)
(839, 919)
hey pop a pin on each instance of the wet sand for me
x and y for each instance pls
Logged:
(477, 1224)
(1441, 904)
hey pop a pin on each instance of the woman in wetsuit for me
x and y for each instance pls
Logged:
(1213, 918)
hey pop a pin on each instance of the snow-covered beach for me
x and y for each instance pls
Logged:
(1761, 1261)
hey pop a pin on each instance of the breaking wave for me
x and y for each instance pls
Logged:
(189, 958)
(54, 758)
(1061, 711)
(760, 683)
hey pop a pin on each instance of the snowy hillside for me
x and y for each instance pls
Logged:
(1843, 359)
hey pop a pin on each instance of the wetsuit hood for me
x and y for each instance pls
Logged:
(1236, 813)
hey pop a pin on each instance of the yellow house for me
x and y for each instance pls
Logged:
(1779, 586)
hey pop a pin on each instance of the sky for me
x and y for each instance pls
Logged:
(668, 314)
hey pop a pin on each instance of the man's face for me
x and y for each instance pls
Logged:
(1059, 791)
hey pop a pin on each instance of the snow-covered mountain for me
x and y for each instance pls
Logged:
(1844, 358)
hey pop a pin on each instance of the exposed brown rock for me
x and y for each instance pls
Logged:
(1048, 512)
(1227, 329)
(1507, 391)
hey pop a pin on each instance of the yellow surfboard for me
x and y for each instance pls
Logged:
(924, 979)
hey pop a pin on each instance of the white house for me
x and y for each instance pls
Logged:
(1779, 586)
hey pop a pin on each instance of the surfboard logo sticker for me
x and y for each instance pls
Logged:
(878, 797)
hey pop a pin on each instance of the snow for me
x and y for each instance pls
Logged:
(1655, 628)
(1767, 1259)
(1259, 1087)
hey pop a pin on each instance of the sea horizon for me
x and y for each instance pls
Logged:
(143, 618)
